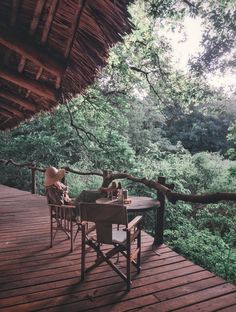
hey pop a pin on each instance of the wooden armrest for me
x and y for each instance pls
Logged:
(133, 223)
(61, 206)
(89, 229)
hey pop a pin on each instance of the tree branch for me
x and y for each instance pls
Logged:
(173, 197)
(68, 169)
(207, 198)
(28, 165)
(191, 5)
(89, 135)
(147, 78)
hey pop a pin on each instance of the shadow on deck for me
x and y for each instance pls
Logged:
(34, 277)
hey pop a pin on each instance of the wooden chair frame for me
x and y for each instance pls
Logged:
(62, 219)
(132, 230)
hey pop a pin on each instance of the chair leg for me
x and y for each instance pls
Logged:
(51, 231)
(128, 263)
(83, 237)
(71, 237)
(77, 231)
(139, 252)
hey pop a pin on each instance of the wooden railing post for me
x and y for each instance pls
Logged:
(33, 179)
(159, 223)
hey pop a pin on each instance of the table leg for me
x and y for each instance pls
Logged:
(159, 223)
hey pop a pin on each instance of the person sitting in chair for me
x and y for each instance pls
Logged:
(56, 191)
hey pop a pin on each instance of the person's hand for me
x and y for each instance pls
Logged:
(67, 199)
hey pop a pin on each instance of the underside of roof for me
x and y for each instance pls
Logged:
(51, 50)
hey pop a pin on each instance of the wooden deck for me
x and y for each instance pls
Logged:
(34, 277)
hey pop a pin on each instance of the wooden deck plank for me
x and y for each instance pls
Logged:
(109, 278)
(231, 308)
(213, 304)
(60, 266)
(204, 300)
(36, 277)
(59, 291)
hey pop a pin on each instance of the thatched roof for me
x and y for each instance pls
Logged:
(52, 49)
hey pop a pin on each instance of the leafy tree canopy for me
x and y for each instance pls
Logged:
(219, 24)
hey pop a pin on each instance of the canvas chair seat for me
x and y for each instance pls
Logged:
(106, 217)
(119, 237)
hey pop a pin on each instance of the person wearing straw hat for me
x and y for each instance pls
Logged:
(56, 191)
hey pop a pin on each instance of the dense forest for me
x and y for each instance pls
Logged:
(146, 116)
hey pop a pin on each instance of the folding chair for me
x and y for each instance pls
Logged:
(105, 217)
(62, 219)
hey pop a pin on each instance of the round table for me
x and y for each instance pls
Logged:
(138, 203)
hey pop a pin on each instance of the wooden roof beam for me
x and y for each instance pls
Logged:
(5, 113)
(25, 48)
(31, 85)
(33, 27)
(15, 8)
(21, 64)
(16, 99)
(6, 57)
(75, 25)
(12, 110)
(49, 21)
(36, 18)
(4, 121)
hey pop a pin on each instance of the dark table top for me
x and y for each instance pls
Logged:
(138, 203)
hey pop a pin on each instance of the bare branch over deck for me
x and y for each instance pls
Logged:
(68, 169)
(173, 197)
(108, 176)
(208, 198)
(30, 165)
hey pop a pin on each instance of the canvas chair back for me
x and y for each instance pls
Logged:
(105, 216)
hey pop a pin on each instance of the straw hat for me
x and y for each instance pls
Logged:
(53, 175)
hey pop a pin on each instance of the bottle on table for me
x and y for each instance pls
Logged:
(120, 193)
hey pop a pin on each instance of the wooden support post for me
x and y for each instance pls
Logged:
(159, 224)
(33, 175)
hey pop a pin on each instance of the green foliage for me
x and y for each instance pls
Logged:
(205, 249)
(205, 234)
(18, 178)
(220, 219)
(200, 132)
(232, 138)
(219, 38)
(218, 22)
